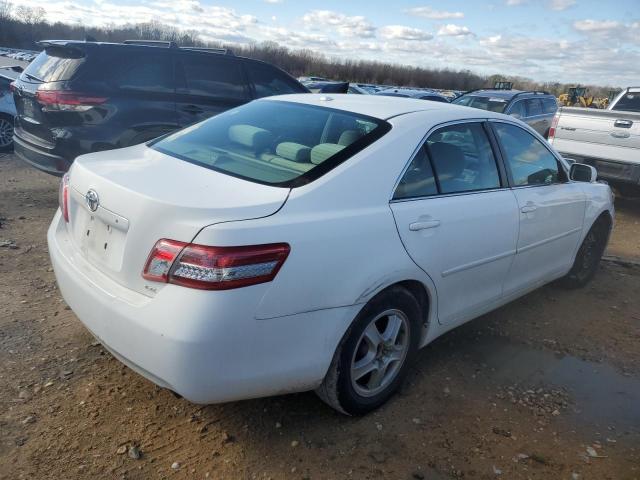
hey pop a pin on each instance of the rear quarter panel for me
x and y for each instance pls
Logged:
(344, 244)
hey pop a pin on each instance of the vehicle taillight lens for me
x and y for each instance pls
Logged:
(552, 128)
(63, 197)
(214, 268)
(63, 100)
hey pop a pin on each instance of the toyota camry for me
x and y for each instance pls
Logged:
(309, 242)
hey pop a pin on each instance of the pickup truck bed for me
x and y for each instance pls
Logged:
(609, 140)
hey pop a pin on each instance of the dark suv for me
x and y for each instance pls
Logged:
(534, 108)
(79, 97)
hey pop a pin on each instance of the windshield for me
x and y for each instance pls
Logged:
(629, 102)
(54, 64)
(485, 103)
(274, 142)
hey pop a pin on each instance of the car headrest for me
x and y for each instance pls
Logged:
(321, 152)
(258, 139)
(448, 159)
(348, 137)
(295, 152)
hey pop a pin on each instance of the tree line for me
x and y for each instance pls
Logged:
(22, 27)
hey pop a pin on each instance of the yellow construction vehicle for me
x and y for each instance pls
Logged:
(577, 97)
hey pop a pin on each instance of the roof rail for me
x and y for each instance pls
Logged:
(224, 51)
(152, 43)
(531, 92)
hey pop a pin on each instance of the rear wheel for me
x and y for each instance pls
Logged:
(589, 255)
(6, 133)
(375, 353)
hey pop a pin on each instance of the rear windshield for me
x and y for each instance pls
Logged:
(55, 64)
(485, 103)
(274, 142)
(630, 102)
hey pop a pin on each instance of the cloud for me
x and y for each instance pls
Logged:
(400, 32)
(356, 26)
(595, 25)
(559, 5)
(273, 1)
(451, 30)
(428, 12)
(515, 3)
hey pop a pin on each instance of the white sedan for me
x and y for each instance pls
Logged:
(316, 242)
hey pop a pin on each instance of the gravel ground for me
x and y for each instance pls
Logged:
(547, 387)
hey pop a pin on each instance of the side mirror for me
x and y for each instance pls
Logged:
(516, 115)
(579, 172)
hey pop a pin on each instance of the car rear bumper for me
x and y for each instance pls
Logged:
(206, 346)
(39, 158)
(610, 170)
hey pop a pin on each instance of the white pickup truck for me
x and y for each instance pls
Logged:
(608, 140)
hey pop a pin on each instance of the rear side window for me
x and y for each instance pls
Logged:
(211, 76)
(529, 161)
(268, 81)
(55, 64)
(455, 159)
(275, 143)
(493, 104)
(549, 105)
(518, 109)
(146, 73)
(629, 102)
(534, 107)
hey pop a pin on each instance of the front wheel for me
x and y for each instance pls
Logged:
(374, 356)
(589, 255)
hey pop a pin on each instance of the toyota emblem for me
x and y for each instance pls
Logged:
(92, 200)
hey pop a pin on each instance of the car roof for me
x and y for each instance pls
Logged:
(412, 92)
(379, 106)
(505, 94)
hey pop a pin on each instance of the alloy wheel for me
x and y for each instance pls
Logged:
(380, 353)
(6, 133)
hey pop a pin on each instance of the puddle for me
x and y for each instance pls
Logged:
(600, 395)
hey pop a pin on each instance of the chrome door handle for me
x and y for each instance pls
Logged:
(623, 123)
(415, 226)
(528, 209)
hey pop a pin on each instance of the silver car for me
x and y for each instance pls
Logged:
(534, 108)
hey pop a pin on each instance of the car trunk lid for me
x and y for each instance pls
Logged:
(121, 203)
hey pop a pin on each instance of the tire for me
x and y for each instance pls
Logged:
(6, 133)
(395, 315)
(588, 257)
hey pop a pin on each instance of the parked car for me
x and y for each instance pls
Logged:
(7, 109)
(410, 93)
(236, 259)
(358, 90)
(534, 108)
(80, 97)
(327, 86)
(606, 139)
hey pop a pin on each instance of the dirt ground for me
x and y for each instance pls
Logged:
(547, 387)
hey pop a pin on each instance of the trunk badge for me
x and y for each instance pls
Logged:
(92, 200)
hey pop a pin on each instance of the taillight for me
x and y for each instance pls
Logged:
(554, 124)
(214, 268)
(62, 100)
(63, 197)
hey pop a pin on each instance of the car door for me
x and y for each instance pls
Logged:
(457, 220)
(208, 84)
(536, 118)
(551, 208)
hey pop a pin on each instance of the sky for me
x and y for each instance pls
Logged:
(571, 41)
